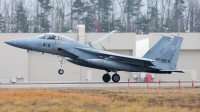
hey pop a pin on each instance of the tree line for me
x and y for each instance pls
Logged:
(140, 16)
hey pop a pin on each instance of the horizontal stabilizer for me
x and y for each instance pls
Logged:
(178, 71)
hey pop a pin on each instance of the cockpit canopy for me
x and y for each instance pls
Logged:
(53, 36)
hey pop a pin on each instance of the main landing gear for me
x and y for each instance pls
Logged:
(106, 77)
(115, 78)
(61, 71)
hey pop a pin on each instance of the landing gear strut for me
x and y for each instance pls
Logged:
(106, 77)
(61, 71)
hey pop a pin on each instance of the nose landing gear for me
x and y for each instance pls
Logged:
(61, 71)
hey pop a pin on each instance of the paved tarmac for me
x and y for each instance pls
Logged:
(101, 85)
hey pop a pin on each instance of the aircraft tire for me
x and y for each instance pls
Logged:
(106, 78)
(61, 71)
(115, 78)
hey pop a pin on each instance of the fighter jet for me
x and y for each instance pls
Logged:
(162, 58)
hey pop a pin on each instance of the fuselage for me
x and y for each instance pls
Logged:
(162, 58)
(67, 47)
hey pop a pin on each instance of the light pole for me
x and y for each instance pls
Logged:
(178, 26)
(179, 14)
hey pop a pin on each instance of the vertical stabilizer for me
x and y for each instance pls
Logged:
(152, 53)
(167, 58)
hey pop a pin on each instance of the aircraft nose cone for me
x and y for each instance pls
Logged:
(21, 43)
(9, 42)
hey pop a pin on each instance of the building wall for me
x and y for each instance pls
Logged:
(142, 45)
(44, 67)
(118, 41)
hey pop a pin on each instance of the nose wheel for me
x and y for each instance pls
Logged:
(61, 71)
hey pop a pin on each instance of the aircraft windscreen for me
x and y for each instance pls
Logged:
(52, 36)
(42, 36)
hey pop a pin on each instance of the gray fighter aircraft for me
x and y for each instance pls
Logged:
(161, 58)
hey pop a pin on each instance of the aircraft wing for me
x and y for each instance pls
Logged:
(118, 57)
(100, 39)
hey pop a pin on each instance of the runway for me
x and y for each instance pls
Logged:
(171, 84)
